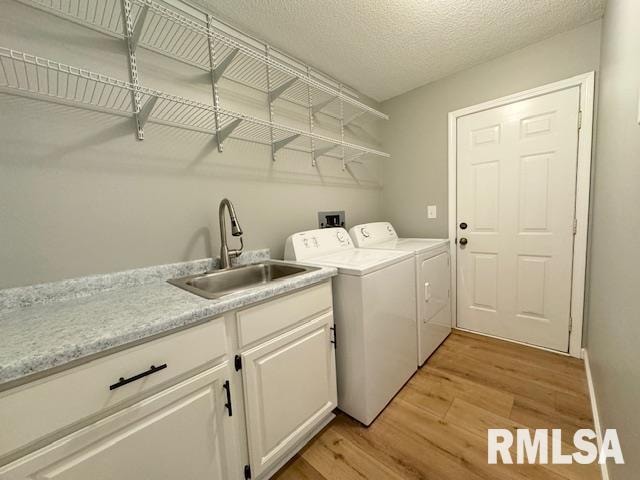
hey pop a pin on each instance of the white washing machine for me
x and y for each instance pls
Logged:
(373, 299)
(432, 279)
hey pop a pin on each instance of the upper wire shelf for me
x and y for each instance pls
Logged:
(169, 32)
(37, 77)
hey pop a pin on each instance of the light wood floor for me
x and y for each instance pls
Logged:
(436, 427)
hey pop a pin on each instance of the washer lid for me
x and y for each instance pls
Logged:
(359, 261)
(416, 245)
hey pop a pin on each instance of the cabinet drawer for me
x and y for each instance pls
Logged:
(269, 318)
(36, 409)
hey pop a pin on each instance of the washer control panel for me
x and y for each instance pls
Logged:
(371, 233)
(316, 243)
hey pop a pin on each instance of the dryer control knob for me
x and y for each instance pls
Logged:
(365, 233)
(340, 236)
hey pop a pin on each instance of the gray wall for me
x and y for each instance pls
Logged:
(416, 135)
(613, 318)
(80, 195)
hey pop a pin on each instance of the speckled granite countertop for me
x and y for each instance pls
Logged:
(64, 327)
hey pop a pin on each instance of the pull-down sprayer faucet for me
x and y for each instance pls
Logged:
(236, 231)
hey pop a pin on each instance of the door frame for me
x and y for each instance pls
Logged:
(586, 83)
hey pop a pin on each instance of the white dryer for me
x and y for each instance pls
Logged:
(432, 279)
(373, 298)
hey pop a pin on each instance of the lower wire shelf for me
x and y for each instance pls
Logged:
(36, 77)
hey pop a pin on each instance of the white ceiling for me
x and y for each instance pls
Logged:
(386, 47)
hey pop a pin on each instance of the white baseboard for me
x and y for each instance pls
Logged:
(594, 409)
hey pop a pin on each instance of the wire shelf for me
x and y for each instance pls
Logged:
(169, 32)
(34, 76)
(28, 75)
(103, 15)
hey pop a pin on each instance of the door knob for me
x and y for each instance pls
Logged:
(463, 241)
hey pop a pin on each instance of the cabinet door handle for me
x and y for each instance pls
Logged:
(227, 388)
(123, 381)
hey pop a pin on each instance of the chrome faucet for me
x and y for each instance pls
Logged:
(236, 231)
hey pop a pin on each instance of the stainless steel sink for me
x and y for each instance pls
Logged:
(219, 283)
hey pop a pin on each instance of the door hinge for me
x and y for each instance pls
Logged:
(237, 362)
(247, 472)
(335, 337)
(575, 226)
(570, 324)
(228, 406)
(579, 119)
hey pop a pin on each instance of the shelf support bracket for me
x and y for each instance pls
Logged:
(352, 159)
(224, 132)
(352, 118)
(322, 151)
(319, 106)
(350, 171)
(214, 83)
(137, 29)
(341, 120)
(278, 145)
(146, 110)
(224, 64)
(276, 92)
(312, 144)
(133, 68)
(267, 52)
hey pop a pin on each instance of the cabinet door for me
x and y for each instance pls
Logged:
(289, 387)
(181, 432)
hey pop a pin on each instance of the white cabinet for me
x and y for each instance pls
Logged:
(289, 387)
(132, 415)
(183, 432)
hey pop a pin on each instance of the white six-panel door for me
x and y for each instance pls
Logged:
(516, 171)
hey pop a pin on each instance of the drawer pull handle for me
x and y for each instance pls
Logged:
(123, 381)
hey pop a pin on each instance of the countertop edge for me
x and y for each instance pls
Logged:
(25, 372)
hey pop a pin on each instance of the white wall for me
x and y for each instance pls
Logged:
(79, 194)
(613, 319)
(416, 135)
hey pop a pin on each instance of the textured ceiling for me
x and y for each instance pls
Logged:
(386, 47)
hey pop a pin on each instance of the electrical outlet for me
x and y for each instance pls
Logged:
(432, 211)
